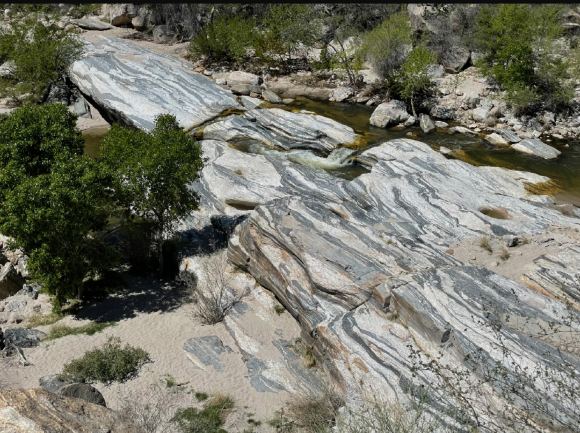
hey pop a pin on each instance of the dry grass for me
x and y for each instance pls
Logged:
(43, 320)
(58, 331)
(505, 254)
(485, 243)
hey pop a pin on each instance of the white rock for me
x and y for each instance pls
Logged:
(496, 139)
(533, 146)
(389, 113)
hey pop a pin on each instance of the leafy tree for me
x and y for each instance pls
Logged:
(41, 55)
(412, 80)
(54, 201)
(225, 38)
(152, 173)
(285, 28)
(517, 42)
(387, 45)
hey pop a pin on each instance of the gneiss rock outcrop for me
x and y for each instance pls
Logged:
(362, 265)
(132, 84)
(39, 411)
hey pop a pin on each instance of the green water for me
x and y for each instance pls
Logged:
(565, 170)
(93, 138)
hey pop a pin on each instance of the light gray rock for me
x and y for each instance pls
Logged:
(426, 123)
(91, 24)
(389, 113)
(440, 124)
(139, 22)
(7, 69)
(456, 59)
(249, 102)
(270, 96)
(81, 108)
(443, 113)
(281, 129)
(163, 34)
(534, 146)
(52, 383)
(340, 94)
(445, 150)
(461, 130)
(435, 71)
(332, 259)
(206, 351)
(410, 121)
(496, 139)
(22, 337)
(509, 135)
(483, 114)
(133, 85)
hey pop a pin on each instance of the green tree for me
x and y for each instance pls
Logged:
(517, 42)
(225, 38)
(387, 45)
(286, 28)
(412, 81)
(54, 201)
(153, 172)
(41, 55)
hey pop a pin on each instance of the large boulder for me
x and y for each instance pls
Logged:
(534, 146)
(365, 267)
(10, 280)
(84, 391)
(280, 129)
(39, 411)
(119, 14)
(389, 113)
(23, 337)
(239, 82)
(91, 24)
(132, 84)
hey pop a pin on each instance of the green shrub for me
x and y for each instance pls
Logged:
(110, 363)
(224, 39)
(210, 419)
(58, 331)
(411, 81)
(41, 54)
(387, 45)
(285, 28)
(517, 42)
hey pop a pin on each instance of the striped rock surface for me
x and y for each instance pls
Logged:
(363, 266)
(132, 84)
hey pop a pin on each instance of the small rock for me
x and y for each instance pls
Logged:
(511, 241)
(287, 100)
(389, 113)
(249, 102)
(440, 124)
(435, 71)
(270, 96)
(442, 113)
(22, 337)
(509, 135)
(445, 150)
(81, 108)
(410, 121)
(138, 22)
(461, 130)
(496, 139)
(533, 146)
(7, 69)
(340, 94)
(426, 123)
(84, 391)
(162, 34)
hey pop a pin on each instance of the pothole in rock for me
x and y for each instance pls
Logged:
(499, 213)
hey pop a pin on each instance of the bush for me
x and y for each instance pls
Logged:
(517, 42)
(387, 45)
(111, 363)
(315, 413)
(286, 28)
(224, 39)
(208, 420)
(41, 55)
(411, 81)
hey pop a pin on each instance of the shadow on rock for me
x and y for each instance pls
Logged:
(210, 238)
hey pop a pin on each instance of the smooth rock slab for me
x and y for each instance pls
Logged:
(206, 350)
(534, 146)
(91, 24)
(133, 85)
(280, 129)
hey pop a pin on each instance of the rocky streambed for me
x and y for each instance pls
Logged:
(380, 267)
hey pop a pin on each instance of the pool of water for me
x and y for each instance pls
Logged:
(93, 138)
(565, 170)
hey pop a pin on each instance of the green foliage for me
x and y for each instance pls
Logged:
(285, 28)
(224, 39)
(412, 81)
(58, 331)
(152, 172)
(54, 200)
(81, 9)
(208, 420)
(41, 54)
(110, 363)
(386, 46)
(517, 42)
(201, 396)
